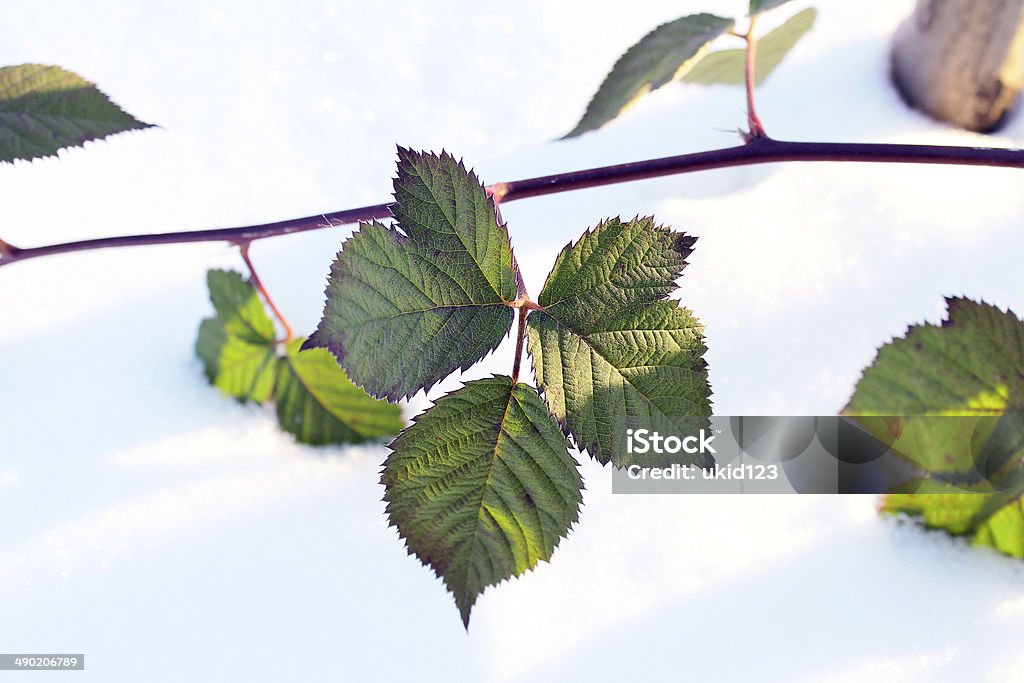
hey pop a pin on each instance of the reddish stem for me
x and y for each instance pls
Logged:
(289, 335)
(755, 151)
(754, 125)
(524, 311)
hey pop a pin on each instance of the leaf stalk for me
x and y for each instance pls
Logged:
(524, 312)
(755, 129)
(289, 334)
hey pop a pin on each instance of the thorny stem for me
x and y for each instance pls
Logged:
(756, 151)
(289, 335)
(755, 127)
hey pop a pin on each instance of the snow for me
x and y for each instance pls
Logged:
(171, 534)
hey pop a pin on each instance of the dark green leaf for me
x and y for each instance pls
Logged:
(237, 345)
(729, 66)
(608, 350)
(665, 54)
(318, 404)
(46, 108)
(758, 6)
(406, 309)
(482, 486)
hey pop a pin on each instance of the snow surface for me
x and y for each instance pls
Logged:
(170, 534)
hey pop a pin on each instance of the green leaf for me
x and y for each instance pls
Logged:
(662, 56)
(759, 6)
(970, 364)
(235, 366)
(729, 66)
(956, 392)
(609, 352)
(237, 345)
(482, 487)
(318, 404)
(995, 520)
(239, 307)
(406, 309)
(46, 108)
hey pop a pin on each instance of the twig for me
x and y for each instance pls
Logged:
(756, 151)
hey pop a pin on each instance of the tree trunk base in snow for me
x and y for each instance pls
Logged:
(961, 61)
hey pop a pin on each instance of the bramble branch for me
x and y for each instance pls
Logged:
(758, 150)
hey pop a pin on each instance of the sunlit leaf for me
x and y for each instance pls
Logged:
(237, 345)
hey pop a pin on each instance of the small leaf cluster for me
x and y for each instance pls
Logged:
(681, 50)
(969, 367)
(482, 485)
(316, 402)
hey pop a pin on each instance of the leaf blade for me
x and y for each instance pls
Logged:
(238, 368)
(317, 404)
(960, 386)
(608, 351)
(759, 6)
(663, 55)
(482, 486)
(728, 67)
(441, 287)
(44, 109)
(236, 346)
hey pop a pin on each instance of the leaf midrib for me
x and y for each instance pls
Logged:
(455, 230)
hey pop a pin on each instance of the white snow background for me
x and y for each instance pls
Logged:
(171, 534)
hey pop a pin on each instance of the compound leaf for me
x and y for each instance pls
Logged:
(318, 404)
(609, 352)
(662, 56)
(236, 346)
(758, 6)
(407, 308)
(958, 389)
(729, 66)
(482, 486)
(46, 108)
